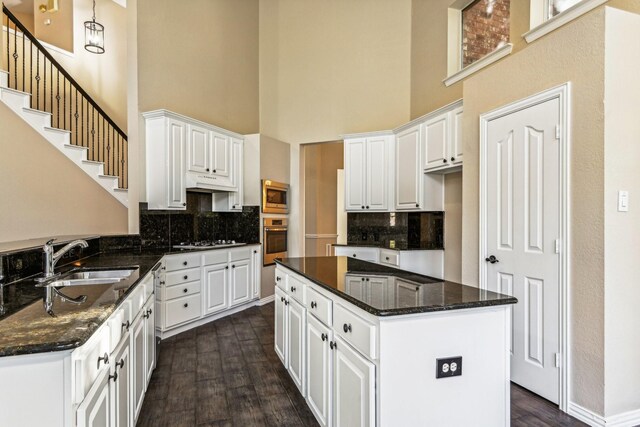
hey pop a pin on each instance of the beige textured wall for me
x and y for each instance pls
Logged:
(200, 58)
(453, 227)
(57, 32)
(44, 193)
(333, 67)
(574, 53)
(622, 229)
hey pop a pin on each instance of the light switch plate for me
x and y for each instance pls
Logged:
(623, 201)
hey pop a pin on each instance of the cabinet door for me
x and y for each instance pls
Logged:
(407, 294)
(257, 271)
(455, 141)
(177, 193)
(296, 329)
(235, 197)
(139, 372)
(319, 370)
(436, 133)
(240, 281)
(221, 155)
(280, 331)
(377, 292)
(354, 400)
(198, 149)
(95, 409)
(149, 341)
(377, 181)
(215, 288)
(355, 174)
(408, 169)
(121, 395)
(356, 287)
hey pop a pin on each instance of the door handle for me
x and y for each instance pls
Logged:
(492, 259)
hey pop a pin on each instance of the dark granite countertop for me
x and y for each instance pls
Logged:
(26, 328)
(399, 246)
(407, 293)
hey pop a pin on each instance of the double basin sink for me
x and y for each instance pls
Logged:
(89, 277)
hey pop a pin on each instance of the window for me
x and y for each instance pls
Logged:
(485, 27)
(549, 15)
(555, 7)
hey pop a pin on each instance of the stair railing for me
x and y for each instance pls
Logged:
(32, 69)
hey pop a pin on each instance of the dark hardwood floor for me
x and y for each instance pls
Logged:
(226, 373)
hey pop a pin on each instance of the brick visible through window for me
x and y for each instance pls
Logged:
(485, 27)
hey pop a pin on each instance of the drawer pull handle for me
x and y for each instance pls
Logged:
(354, 255)
(333, 345)
(149, 311)
(363, 279)
(286, 303)
(114, 377)
(162, 282)
(278, 278)
(104, 359)
(346, 327)
(186, 304)
(417, 205)
(146, 315)
(387, 258)
(367, 279)
(324, 337)
(120, 364)
(293, 289)
(453, 159)
(126, 325)
(233, 266)
(282, 299)
(185, 290)
(313, 304)
(186, 277)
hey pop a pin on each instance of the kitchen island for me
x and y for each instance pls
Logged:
(370, 345)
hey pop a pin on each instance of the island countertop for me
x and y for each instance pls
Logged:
(428, 294)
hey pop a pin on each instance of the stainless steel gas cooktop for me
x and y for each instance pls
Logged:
(208, 244)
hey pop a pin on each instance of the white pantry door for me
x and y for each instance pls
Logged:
(522, 214)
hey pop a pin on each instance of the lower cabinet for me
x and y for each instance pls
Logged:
(296, 333)
(138, 363)
(319, 375)
(121, 387)
(281, 323)
(215, 288)
(240, 281)
(95, 409)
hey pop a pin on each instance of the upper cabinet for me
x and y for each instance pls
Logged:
(409, 174)
(443, 140)
(369, 165)
(185, 153)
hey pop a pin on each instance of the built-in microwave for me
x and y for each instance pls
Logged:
(275, 198)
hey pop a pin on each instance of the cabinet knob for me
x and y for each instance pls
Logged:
(417, 288)
(453, 159)
(282, 299)
(113, 377)
(362, 279)
(417, 205)
(346, 327)
(367, 279)
(233, 207)
(293, 289)
(186, 304)
(226, 267)
(363, 207)
(184, 204)
(313, 304)
(387, 258)
(278, 278)
(120, 364)
(162, 282)
(323, 337)
(146, 314)
(104, 359)
(185, 290)
(367, 207)
(333, 345)
(184, 263)
(255, 252)
(186, 277)
(233, 266)
(207, 169)
(354, 255)
(286, 302)
(150, 311)
(214, 171)
(444, 160)
(126, 325)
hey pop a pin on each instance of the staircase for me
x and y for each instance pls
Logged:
(44, 95)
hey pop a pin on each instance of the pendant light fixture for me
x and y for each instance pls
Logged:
(94, 34)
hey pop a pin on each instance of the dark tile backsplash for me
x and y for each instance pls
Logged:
(413, 230)
(197, 222)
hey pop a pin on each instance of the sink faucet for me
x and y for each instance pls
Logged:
(51, 258)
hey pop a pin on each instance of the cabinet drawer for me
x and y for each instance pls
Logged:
(182, 276)
(238, 254)
(219, 256)
(181, 290)
(295, 288)
(117, 327)
(389, 257)
(86, 363)
(319, 305)
(182, 310)
(355, 330)
(281, 279)
(180, 262)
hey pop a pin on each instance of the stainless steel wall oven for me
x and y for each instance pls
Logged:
(274, 243)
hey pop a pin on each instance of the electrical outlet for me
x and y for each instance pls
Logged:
(449, 367)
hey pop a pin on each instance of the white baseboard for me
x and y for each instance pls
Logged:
(626, 419)
(266, 300)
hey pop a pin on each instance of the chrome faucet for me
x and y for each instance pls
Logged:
(51, 258)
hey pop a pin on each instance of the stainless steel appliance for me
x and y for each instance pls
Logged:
(275, 198)
(274, 243)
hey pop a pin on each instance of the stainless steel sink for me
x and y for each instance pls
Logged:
(90, 277)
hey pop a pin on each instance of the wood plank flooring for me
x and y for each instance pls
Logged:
(226, 373)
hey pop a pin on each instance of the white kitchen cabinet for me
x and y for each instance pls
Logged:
(296, 326)
(443, 140)
(95, 409)
(139, 376)
(182, 153)
(149, 340)
(409, 174)
(241, 276)
(378, 292)
(319, 363)
(368, 168)
(232, 201)
(281, 325)
(408, 293)
(362, 253)
(256, 267)
(356, 287)
(121, 387)
(215, 285)
(427, 262)
(354, 387)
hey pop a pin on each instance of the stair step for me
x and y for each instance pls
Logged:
(77, 147)
(15, 99)
(96, 167)
(37, 118)
(4, 78)
(57, 136)
(122, 190)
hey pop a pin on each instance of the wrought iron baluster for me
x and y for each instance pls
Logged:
(118, 160)
(44, 84)
(8, 56)
(103, 145)
(51, 99)
(82, 119)
(31, 74)
(24, 63)
(76, 115)
(64, 103)
(15, 54)
(125, 163)
(93, 136)
(58, 99)
(38, 79)
(109, 151)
